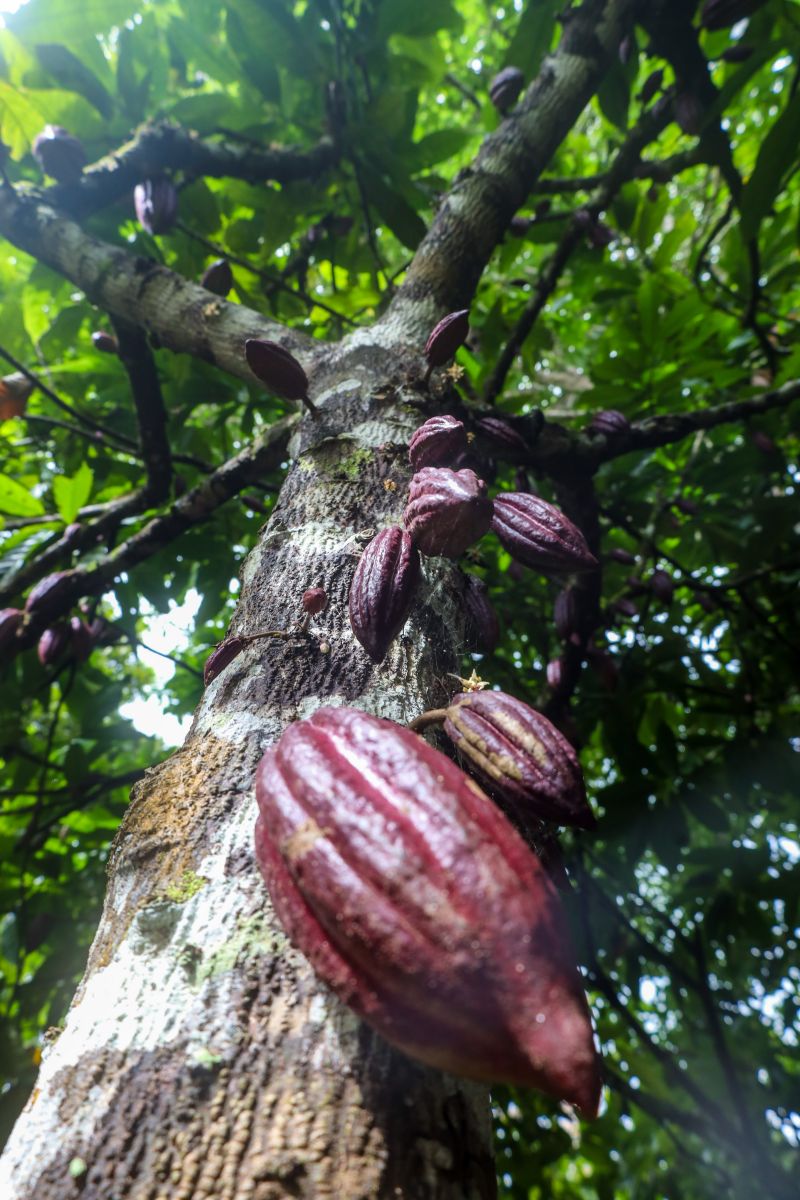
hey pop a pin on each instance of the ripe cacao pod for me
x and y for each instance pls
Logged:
(382, 590)
(437, 443)
(48, 593)
(314, 601)
(277, 368)
(445, 338)
(218, 278)
(565, 613)
(506, 87)
(501, 437)
(609, 422)
(622, 556)
(106, 343)
(447, 510)
(518, 226)
(59, 154)
(538, 534)
(420, 906)
(720, 14)
(483, 627)
(626, 607)
(529, 767)
(220, 656)
(10, 621)
(53, 644)
(737, 53)
(156, 204)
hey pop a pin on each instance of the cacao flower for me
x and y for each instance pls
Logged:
(538, 534)
(565, 613)
(314, 601)
(622, 556)
(554, 672)
(220, 656)
(506, 87)
(662, 586)
(81, 639)
(156, 204)
(419, 905)
(218, 278)
(437, 443)
(501, 436)
(609, 422)
(520, 756)
(53, 643)
(447, 510)
(48, 592)
(445, 338)
(278, 369)
(719, 14)
(10, 621)
(382, 590)
(482, 624)
(59, 154)
(106, 343)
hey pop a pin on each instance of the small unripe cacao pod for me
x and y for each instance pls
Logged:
(447, 510)
(277, 368)
(445, 337)
(554, 673)
(627, 48)
(220, 656)
(626, 607)
(156, 204)
(59, 154)
(314, 601)
(651, 85)
(622, 556)
(501, 437)
(538, 534)
(383, 588)
(437, 443)
(48, 593)
(689, 113)
(737, 53)
(506, 87)
(483, 627)
(14, 392)
(419, 905)
(53, 644)
(720, 14)
(528, 766)
(10, 621)
(706, 601)
(81, 639)
(609, 422)
(565, 613)
(106, 343)
(662, 586)
(218, 277)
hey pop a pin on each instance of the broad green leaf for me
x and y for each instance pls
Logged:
(776, 158)
(404, 222)
(17, 500)
(532, 38)
(74, 76)
(72, 491)
(67, 22)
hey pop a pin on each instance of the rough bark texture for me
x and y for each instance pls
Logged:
(200, 1057)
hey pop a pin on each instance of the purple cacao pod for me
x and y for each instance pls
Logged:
(81, 640)
(518, 226)
(554, 673)
(419, 905)
(106, 343)
(622, 556)
(53, 644)
(59, 154)
(599, 235)
(737, 53)
(689, 113)
(625, 607)
(437, 443)
(10, 621)
(651, 85)
(627, 48)
(688, 507)
(565, 613)
(538, 534)
(48, 593)
(218, 278)
(720, 14)
(445, 338)
(314, 601)
(501, 437)
(763, 442)
(277, 368)
(506, 87)
(382, 590)
(662, 586)
(220, 656)
(156, 204)
(528, 766)
(609, 422)
(483, 627)
(447, 510)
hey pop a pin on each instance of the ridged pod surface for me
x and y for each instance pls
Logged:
(156, 205)
(516, 752)
(10, 621)
(48, 592)
(447, 510)
(382, 590)
(446, 336)
(483, 627)
(420, 906)
(218, 277)
(609, 421)
(277, 368)
(437, 443)
(505, 87)
(501, 436)
(220, 656)
(538, 534)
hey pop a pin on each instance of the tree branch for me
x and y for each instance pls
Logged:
(151, 416)
(659, 170)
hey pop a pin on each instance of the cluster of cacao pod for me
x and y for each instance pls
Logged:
(447, 511)
(71, 638)
(416, 900)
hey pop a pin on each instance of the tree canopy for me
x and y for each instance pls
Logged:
(652, 272)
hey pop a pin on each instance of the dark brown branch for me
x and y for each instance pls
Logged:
(164, 147)
(151, 416)
(659, 170)
(648, 128)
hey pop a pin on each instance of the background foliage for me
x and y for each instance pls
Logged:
(685, 902)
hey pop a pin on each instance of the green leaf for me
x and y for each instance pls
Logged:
(533, 36)
(404, 222)
(74, 76)
(614, 95)
(776, 158)
(439, 146)
(17, 501)
(416, 20)
(72, 491)
(68, 22)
